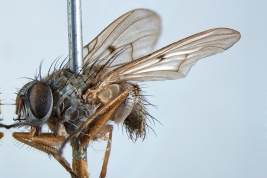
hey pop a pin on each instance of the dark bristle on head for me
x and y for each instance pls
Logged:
(53, 63)
(27, 78)
(36, 75)
(40, 69)
(61, 65)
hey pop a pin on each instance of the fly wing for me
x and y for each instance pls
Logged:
(131, 36)
(175, 60)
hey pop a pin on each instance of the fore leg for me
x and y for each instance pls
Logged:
(45, 142)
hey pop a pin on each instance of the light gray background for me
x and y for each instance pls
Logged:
(214, 120)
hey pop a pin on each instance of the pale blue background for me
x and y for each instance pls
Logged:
(214, 121)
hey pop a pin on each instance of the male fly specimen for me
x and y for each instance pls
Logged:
(79, 108)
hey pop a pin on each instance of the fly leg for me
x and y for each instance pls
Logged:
(100, 133)
(107, 153)
(46, 142)
(99, 130)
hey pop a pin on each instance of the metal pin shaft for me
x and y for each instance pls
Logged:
(75, 36)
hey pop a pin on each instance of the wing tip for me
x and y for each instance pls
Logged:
(236, 34)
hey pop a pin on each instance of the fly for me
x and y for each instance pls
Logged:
(79, 108)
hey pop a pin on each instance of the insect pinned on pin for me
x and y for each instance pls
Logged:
(79, 108)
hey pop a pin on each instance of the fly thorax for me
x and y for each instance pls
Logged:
(68, 106)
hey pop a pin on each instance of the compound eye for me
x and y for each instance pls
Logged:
(40, 98)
